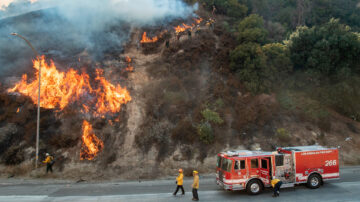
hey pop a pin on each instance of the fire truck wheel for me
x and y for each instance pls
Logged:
(254, 187)
(314, 181)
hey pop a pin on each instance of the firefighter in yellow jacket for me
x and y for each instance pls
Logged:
(179, 182)
(195, 186)
(276, 184)
(49, 162)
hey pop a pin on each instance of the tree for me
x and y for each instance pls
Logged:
(231, 8)
(278, 62)
(323, 10)
(251, 29)
(249, 61)
(328, 48)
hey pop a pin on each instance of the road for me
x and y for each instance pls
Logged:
(345, 189)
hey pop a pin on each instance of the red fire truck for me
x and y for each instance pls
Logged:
(253, 170)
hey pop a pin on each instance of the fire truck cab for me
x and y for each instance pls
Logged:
(253, 170)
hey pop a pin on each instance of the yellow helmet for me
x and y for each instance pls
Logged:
(180, 170)
(196, 172)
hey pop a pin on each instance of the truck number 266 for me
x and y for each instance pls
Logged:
(330, 163)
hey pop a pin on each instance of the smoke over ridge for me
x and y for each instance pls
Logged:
(67, 27)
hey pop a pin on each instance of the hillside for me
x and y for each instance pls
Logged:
(227, 87)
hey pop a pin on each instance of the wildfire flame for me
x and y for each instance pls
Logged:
(91, 145)
(198, 20)
(182, 28)
(58, 89)
(128, 59)
(109, 97)
(129, 67)
(145, 39)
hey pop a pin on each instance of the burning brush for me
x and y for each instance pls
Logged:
(59, 89)
(91, 145)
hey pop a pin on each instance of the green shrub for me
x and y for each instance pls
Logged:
(211, 116)
(219, 103)
(301, 102)
(283, 135)
(174, 97)
(205, 132)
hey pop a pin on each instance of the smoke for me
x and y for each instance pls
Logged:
(65, 28)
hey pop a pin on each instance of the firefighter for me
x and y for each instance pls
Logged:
(138, 45)
(195, 186)
(212, 23)
(213, 10)
(189, 33)
(276, 184)
(208, 24)
(179, 182)
(49, 162)
(197, 30)
(167, 43)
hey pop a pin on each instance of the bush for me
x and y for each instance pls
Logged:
(283, 135)
(174, 97)
(301, 102)
(205, 132)
(219, 103)
(184, 132)
(211, 116)
(343, 96)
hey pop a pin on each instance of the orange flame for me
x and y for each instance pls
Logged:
(18, 109)
(129, 68)
(182, 28)
(58, 89)
(109, 97)
(198, 20)
(145, 39)
(128, 59)
(91, 145)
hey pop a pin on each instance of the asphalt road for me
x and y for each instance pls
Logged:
(346, 189)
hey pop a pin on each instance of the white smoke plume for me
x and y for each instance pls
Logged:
(137, 11)
(65, 27)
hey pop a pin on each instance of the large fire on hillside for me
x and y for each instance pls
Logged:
(91, 96)
(59, 89)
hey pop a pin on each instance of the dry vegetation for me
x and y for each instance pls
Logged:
(187, 106)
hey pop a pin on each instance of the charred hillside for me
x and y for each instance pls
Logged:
(174, 94)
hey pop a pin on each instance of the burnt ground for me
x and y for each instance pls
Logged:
(158, 131)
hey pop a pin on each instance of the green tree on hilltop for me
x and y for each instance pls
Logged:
(328, 48)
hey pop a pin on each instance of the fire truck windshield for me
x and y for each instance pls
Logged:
(226, 164)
